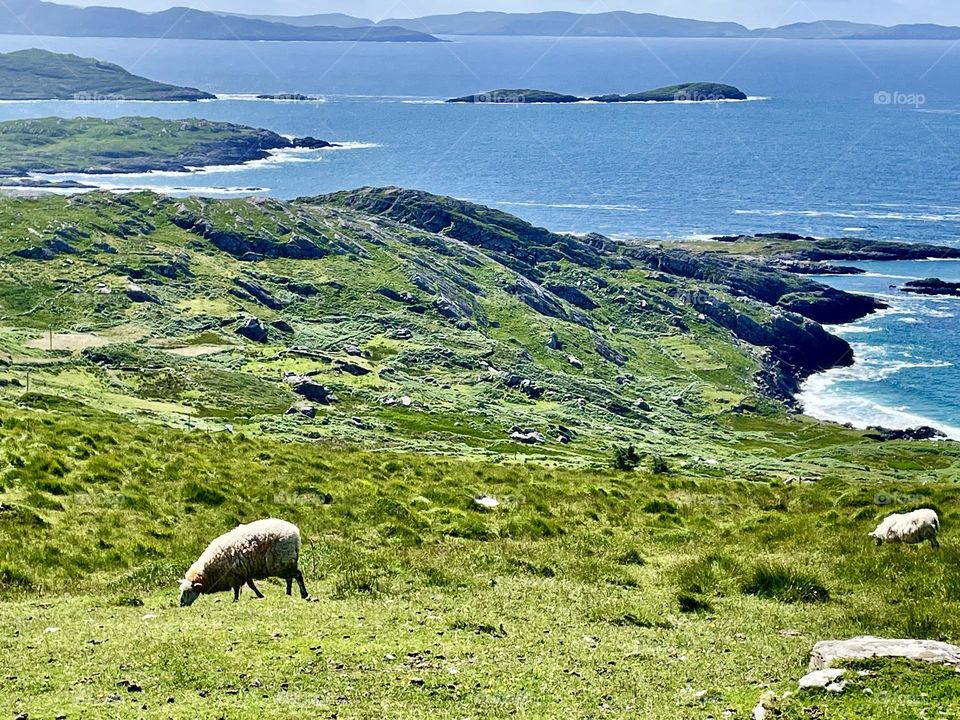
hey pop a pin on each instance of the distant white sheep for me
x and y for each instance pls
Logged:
(260, 550)
(911, 528)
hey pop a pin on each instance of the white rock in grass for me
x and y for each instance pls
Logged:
(486, 502)
(828, 679)
(826, 653)
(764, 708)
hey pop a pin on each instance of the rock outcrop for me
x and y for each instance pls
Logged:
(932, 286)
(825, 654)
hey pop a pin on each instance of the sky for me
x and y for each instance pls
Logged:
(752, 13)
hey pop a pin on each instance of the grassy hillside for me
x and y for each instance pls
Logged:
(43, 75)
(192, 312)
(146, 347)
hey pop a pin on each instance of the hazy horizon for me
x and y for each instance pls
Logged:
(772, 13)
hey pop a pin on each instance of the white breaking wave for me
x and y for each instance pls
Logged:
(824, 396)
(858, 214)
(821, 400)
(253, 97)
(282, 156)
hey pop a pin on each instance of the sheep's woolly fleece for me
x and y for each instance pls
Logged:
(261, 549)
(914, 527)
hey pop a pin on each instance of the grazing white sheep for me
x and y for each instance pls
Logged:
(260, 550)
(911, 528)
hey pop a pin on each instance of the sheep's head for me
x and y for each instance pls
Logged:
(189, 591)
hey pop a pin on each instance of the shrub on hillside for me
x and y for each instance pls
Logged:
(626, 458)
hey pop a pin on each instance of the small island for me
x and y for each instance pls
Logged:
(133, 144)
(932, 286)
(517, 97)
(297, 97)
(687, 92)
(43, 75)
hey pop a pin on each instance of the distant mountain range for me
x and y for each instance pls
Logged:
(35, 17)
(628, 24)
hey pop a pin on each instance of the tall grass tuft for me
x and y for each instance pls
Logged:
(780, 582)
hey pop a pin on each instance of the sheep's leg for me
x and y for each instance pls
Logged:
(289, 586)
(255, 590)
(303, 588)
(236, 592)
(934, 543)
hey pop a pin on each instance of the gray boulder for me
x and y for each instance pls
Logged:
(304, 409)
(826, 653)
(253, 329)
(350, 368)
(526, 436)
(311, 390)
(139, 295)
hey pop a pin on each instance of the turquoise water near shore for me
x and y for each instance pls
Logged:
(908, 357)
(839, 139)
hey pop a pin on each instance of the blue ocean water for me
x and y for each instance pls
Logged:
(908, 358)
(839, 139)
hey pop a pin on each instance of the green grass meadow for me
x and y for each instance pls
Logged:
(586, 593)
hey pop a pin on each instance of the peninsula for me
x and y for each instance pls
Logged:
(43, 75)
(133, 144)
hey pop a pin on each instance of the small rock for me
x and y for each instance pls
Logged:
(418, 681)
(766, 705)
(527, 437)
(486, 502)
(829, 679)
(353, 350)
(575, 361)
(308, 411)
